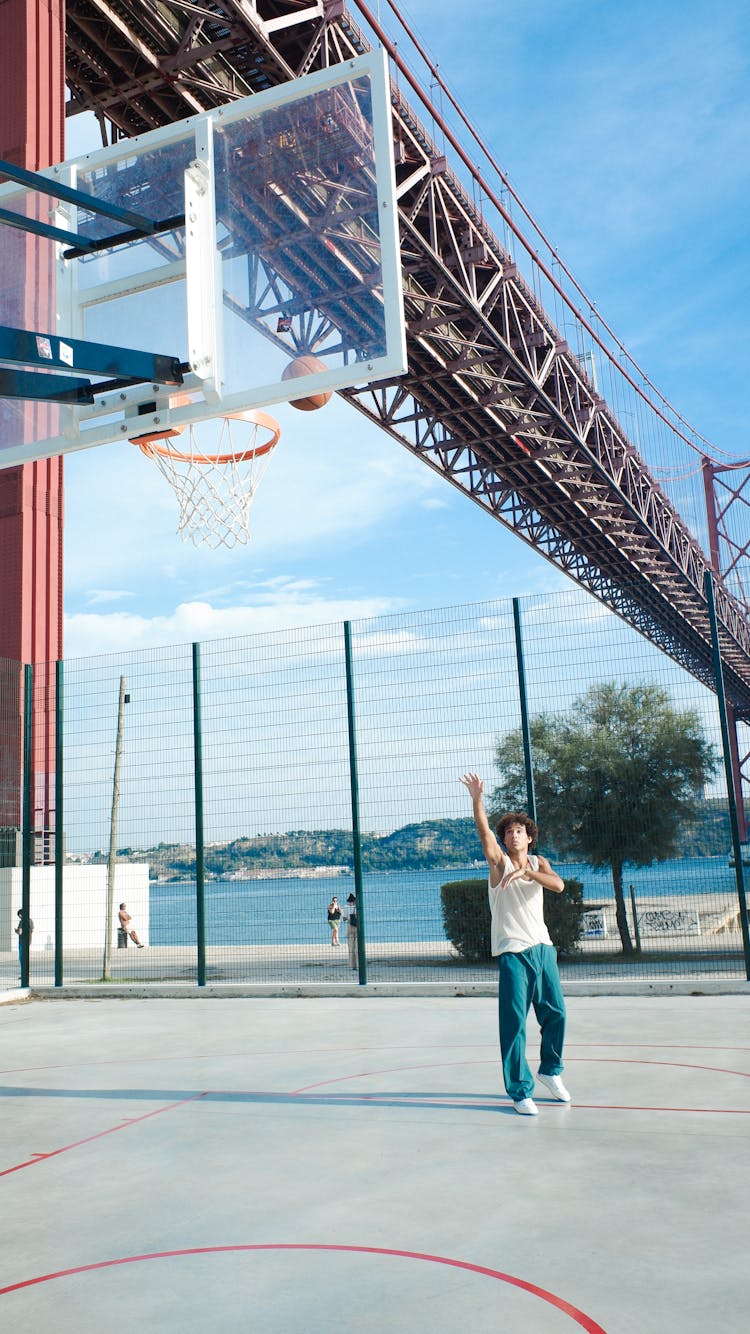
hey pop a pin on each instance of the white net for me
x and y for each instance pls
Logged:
(215, 476)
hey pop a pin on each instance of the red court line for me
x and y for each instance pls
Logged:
(397, 1100)
(605, 1060)
(394, 1099)
(627, 1107)
(276, 1054)
(389, 1070)
(550, 1104)
(100, 1134)
(658, 1046)
(584, 1321)
(678, 1065)
(364, 1074)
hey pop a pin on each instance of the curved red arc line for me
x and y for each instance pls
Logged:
(308, 1051)
(601, 1060)
(634, 1107)
(677, 1065)
(560, 1303)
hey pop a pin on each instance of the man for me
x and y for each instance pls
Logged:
(351, 929)
(527, 962)
(127, 925)
(24, 930)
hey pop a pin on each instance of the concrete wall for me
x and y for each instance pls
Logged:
(84, 904)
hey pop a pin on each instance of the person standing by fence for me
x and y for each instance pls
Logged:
(527, 963)
(334, 920)
(24, 930)
(351, 929)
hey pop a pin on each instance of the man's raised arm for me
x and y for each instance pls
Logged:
(490, 846)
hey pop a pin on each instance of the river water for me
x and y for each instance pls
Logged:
(400, 905)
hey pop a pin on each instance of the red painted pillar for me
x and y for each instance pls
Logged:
(710, 469)
(32, 135)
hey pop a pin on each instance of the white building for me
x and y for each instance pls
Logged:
(84, 905)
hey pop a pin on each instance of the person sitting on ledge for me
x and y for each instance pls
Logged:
(126, 925)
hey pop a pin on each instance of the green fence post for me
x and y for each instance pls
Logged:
(525, 731)
(636, 928)
(731, 795)
(354, 786)
(28, 833)
(59, 823)
(200, 877)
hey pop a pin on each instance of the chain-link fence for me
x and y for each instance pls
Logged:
(203, 805)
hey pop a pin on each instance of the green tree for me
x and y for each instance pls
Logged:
(617, 779)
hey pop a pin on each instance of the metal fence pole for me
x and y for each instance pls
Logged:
(200, 878)
(525, 731)
(731, 796)
(636, 928)
(114, 815)
(59, 823)
(354, 785)
(28, 833)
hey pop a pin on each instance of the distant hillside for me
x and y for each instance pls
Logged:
(430, 843)
(422, 846)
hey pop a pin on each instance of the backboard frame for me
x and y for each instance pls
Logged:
(134, 409)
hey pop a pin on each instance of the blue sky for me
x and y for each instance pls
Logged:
(626, 130)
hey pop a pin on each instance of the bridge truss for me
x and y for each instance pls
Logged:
(495, 399)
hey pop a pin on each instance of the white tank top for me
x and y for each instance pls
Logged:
(517, 913)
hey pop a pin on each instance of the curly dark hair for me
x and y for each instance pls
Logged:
(517, 817)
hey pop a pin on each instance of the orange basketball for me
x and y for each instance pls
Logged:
(307, 365)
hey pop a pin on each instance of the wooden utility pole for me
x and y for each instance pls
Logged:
(112, 858)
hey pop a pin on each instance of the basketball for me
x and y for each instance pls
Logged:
(307, 365)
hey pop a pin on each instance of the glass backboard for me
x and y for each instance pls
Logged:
(273, 273)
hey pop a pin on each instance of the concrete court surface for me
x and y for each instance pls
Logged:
(289, 1166)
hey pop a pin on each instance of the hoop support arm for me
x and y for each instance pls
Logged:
(48, 352)
(36, 180)
(41, 388)
(22, 224)
(85, 247)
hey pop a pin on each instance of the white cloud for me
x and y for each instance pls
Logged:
(99, 595)
(88, 633)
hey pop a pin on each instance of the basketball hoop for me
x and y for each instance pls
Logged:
(215, 488)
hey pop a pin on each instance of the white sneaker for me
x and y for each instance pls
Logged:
(526, 1107)
(555, 1086)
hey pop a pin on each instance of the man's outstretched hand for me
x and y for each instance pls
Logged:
(473, 784)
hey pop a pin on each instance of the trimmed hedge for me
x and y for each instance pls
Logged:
(466, 918)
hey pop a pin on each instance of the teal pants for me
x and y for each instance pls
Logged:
(526, 979)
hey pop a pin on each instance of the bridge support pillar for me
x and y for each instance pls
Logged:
(32, 135)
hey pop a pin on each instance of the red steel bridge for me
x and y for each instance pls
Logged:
(517, 392)
(499, 398)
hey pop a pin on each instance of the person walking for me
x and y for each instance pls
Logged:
(334, 920)
(527, 962)
(351, 929)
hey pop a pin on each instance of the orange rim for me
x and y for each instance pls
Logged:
(150, 444)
